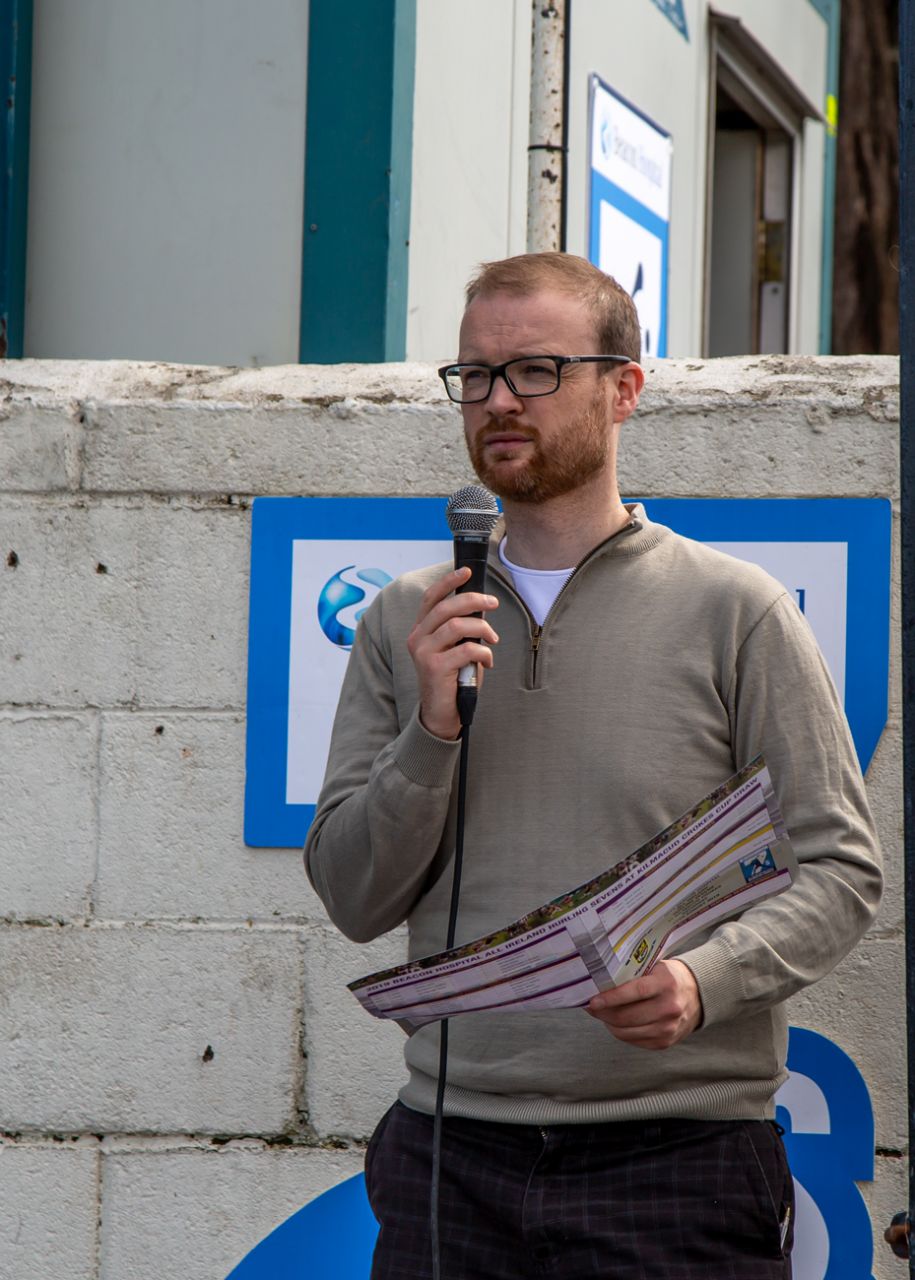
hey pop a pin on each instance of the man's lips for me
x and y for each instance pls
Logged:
(506, 438)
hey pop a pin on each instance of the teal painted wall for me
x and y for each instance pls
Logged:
(358, 156)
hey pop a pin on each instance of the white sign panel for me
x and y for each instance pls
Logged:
(329, 593)
(631, 152)
(627, 247)
(630, 207)
(816, 574)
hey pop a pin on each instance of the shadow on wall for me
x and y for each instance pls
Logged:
(824, 1108)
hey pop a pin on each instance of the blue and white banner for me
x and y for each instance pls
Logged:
(316, 564)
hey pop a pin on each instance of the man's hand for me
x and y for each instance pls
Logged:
(897, 1235)
(654, 1011)
(434, 643)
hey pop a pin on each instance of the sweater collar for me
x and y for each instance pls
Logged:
(639, 535)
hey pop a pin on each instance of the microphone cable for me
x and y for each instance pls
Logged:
(466, 707)
(471, 513)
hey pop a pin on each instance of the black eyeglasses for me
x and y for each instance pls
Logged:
(526, 376)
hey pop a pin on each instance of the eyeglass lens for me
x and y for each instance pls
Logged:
(526, 377)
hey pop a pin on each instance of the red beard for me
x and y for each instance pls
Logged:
(571, 459)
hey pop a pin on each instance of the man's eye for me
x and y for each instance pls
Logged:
(537, 369)
(469, 376)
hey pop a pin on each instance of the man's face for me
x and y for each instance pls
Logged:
(537, 448)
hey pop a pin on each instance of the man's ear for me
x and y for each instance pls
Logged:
(629, 381)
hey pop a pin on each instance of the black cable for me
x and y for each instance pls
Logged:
(466, 713)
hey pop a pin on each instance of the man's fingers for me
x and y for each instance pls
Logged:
(445, 620)
(444, 588)
(449, 633)
(441, 588)
(444, 663)
(450, 637)
(634, 992)
(654, 1011)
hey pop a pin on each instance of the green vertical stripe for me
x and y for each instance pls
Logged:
(359, 147)
(829, 10)
(16, 63)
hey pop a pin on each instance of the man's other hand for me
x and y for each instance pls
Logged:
(654, 1011)
(897, 1235)
(436, 647)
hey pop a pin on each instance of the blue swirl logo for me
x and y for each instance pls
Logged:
(337, 594)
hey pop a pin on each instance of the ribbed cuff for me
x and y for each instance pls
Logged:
(717, 973)
(424, 759)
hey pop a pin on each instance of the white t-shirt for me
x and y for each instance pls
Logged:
(538, 588)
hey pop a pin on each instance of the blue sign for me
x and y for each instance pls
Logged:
(331, 1238)
(673, 9)
(629, 212)
(316, 563)
(826, 1112)
(833, 555)
(824, 1108)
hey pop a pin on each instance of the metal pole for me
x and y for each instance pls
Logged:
(907, 520)
(546, 167)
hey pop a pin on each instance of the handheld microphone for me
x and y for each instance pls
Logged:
(471, 513)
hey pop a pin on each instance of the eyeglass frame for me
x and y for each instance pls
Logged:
(499, 371)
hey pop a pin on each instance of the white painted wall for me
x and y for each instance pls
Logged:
(166, 185)
(136, 929)
(795, 34)
(470, 136)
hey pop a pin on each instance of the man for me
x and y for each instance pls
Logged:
(632, 672)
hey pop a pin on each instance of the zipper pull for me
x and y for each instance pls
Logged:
(535, 639)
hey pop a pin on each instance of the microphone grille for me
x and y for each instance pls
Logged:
(472, 509)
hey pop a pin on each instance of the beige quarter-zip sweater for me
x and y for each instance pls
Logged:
(662, 668)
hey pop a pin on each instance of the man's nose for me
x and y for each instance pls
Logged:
(501, 398)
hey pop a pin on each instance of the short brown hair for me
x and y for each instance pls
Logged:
(615, 316)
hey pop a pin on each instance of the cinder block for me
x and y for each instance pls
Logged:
(746, 451)
(38, 444)
(48, 1210)
(193, 1215)
(113, 602)
(764, 427)
(149, 1029)
(355, 1061)
(68, 572)
(324, 446)
(48, 829)
(172, 808)
(861, 1007)
(192, 606)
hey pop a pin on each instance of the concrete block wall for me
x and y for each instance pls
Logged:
(180, 1065)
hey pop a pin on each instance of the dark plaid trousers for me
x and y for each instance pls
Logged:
(633, 1200)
